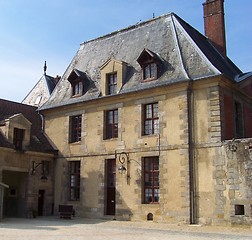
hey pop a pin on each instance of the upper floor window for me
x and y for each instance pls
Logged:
(148, 61)
(150, 71)
(75, 128)
(150, 119)
(79, 82)
(111, 124)
(151, 180)
(77, 87)
(74, 180)
(112, 83)
(18, 138)
(238, 115)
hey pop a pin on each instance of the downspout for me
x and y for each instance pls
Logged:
(191, 135)
(191, 154)
(42, 121)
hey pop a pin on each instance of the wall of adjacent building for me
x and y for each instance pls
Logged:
(15, 167)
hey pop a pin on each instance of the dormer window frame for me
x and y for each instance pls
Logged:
(77, 87)
(111, 83)
(18, 138)
(149, 62)
(152, 68)
(17, 129)
(79, 83)
(109, 68)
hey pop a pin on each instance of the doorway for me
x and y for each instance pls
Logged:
(110, 183)
(41, 198)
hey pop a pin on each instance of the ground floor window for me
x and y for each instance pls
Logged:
(74, 180)
(151, 180)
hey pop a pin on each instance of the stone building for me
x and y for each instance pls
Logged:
(26, 163)
(153, 122)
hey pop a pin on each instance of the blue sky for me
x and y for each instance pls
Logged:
(34, 31)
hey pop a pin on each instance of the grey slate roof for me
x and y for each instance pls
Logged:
(185, 54)
(41, 91)
(38, 141)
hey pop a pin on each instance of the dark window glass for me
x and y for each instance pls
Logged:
(150, 120)
(74, 180)
(75, 128)
(112, 83)
(151, 180)
(239, 210)
(150, 71)
(77, 87)
(18, 138)
(111, 124)
(238, 120)
(45, 167)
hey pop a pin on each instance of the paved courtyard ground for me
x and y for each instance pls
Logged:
(53, 228)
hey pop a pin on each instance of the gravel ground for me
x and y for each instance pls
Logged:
(53, 228)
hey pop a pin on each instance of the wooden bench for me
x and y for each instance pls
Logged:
(66, 211)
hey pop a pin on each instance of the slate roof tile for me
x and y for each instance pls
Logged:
(185, 53)
(38, 143)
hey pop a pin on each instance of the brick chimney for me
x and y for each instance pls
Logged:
(214, 23)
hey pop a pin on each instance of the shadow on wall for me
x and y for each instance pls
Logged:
(14, 204)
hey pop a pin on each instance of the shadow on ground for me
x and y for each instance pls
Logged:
(45, 223)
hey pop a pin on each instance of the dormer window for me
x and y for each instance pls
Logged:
(77, 87)
(149, 70)
(79, 83)
(113, 73)
(112, 83)
(18, 138)
(148, 61)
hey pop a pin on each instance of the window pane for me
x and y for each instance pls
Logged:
(75, 128)
(18, 138)
(74, 180)
(150, 70)
(116, 116)
(151, 180)
(111, 124)
(147, 71)
(156, 164)
(77, 87)
(112, 83)
(151, 120)
(148, 111)
(153, 70)
(155, 110)
(148, 127)
(156, 195)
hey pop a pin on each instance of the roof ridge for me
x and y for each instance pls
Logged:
(138, 24)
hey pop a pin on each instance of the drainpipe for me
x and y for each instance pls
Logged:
(191, 153)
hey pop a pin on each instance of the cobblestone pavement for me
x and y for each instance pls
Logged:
(54, 228)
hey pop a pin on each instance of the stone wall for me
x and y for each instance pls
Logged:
(237, 176)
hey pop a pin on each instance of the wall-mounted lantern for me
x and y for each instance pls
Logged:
(35, 166)
(123, 159)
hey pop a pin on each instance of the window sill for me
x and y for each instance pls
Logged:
(148, 79)
(151, 135)
(75, 143)
(111, 139)
(76, 96)
(150, 204)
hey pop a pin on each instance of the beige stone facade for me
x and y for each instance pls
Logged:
(143, 118)
(213, 203)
